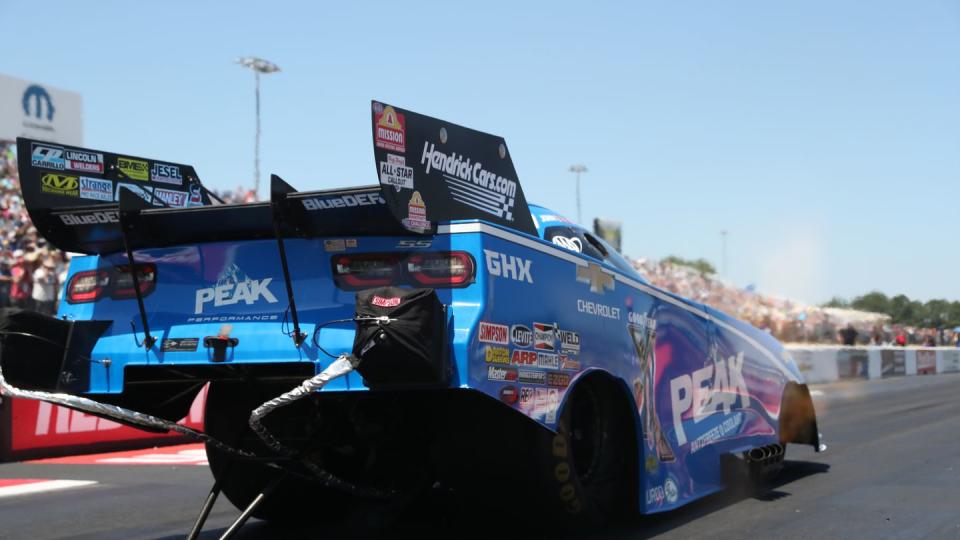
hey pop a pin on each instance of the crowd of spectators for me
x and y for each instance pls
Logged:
(31, 272)
(789, 321)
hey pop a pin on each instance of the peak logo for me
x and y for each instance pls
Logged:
(249, 291)
(725, 385)
(389, 130)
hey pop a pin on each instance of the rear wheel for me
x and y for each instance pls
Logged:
(227, 412)
(593, 461)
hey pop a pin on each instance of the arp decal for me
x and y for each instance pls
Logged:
(523, 358)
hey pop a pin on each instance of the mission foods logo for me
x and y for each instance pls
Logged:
(416, 219)
(96, 189)
(59, 184)
(390, 131)
(497, 334)
(133, 168)
(80, 161)
(48, 157)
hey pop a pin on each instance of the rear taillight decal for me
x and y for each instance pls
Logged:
(433, 269)
(115, 283)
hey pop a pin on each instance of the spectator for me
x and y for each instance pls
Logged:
(45, 287)
(901, 340)
(20, 281)
(848, 336)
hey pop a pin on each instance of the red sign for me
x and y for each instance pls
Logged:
(36, 425)
(390, 132)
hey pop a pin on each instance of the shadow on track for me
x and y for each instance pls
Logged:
(437, 519)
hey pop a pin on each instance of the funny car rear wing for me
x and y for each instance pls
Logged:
(96, 202)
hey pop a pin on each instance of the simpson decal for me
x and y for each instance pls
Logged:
(498, 334)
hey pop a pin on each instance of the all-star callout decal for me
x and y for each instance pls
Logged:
(457, 172)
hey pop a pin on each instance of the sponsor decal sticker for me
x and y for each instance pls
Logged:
(60, 184)
(172, 197)
(548, 360)
(350, 242)
(569, 341)
(416, 219)
(82, 161)
(167, 174)
(671, 491)
(334, 245)
(544, 337)
(496, 373)
(390, 130)
(385, 302)
(573, 244)
(144, 192)
(196, 197)
(134, 169)
(249, 291)
(508, 395)
(527, 397)
(470, 184)
(96, 189)
(521, 335)
(594, 275)
(46, 156)
(598, 309)
(713, 388)
(561, 380)
(569, 364)
(92, 218)
(343, 201)
(524, 358)
(527, 376)
(508, 266)
(410, 244)
(494, 333)
(394, 172)
(497, 355)
(179, 344)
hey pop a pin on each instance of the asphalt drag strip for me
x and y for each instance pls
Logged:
(892, 470)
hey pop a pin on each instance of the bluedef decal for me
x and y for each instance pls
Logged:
(713, 388)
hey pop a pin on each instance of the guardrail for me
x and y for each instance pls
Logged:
(825, 363)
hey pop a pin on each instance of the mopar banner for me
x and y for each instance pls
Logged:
(30, 109)
(431, 170)
(73, 192)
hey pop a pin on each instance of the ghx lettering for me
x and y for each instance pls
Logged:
(508, 266)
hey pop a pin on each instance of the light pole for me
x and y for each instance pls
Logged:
(258, 65)
(577, 169)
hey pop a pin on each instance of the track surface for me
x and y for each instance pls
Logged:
(892, 471)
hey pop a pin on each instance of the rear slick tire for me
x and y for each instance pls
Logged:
(592, 464)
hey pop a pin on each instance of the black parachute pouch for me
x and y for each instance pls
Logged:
(401, 337)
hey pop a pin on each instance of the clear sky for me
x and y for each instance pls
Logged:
(823, 135)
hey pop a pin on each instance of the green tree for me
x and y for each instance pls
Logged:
(874, 301)
(700, 265)
(837, 302)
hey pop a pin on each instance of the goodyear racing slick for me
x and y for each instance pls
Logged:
(369, 343)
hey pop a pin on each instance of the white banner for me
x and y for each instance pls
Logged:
(39, 111)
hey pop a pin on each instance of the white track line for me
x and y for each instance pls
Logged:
(40, 487)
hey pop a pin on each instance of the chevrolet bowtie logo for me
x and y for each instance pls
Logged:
(598, 278)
